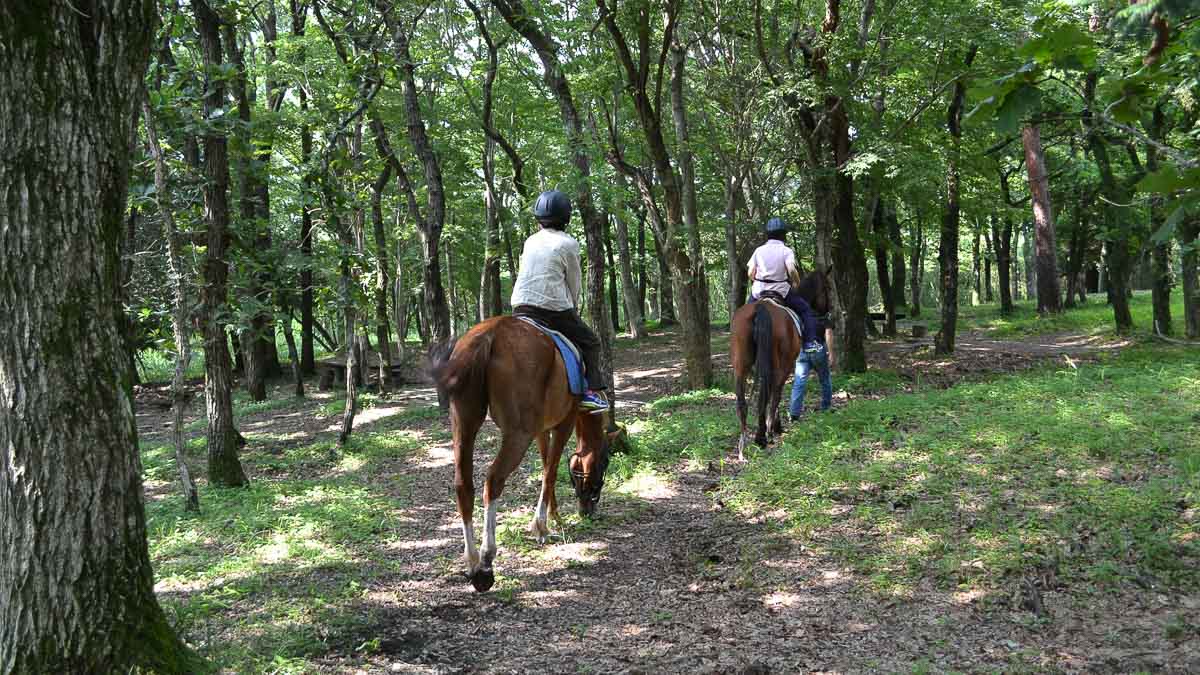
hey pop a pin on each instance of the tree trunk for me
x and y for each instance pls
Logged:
(849, 263)
(641, 256)
(917, 266)
(1027, 260)
(76, 585)
(899, 274)
(1189, 243)
(948, 245)
(614, 306)
(1160, 251)
(1048, 292)
(666, 292)
(989, 253)
(976, 271)
(1002, 237)
(630, 293)
(879, 218)
(224, 467)
(179, 311)
(308, 363)
(382, 280)
(1076, 250)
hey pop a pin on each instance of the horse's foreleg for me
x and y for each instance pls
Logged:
(539, 528)
(512, 451)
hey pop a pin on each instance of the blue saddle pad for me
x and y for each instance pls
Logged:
(576, 381)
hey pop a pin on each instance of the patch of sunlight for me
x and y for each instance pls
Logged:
(784, 600)
(1119, 420)
(349, 464)
(632, 630)
(437, 456)
(648, 484)
(582, 551)
(414, 544)
(550, 598)
(277, 550)
(368, 415)
(968, 597)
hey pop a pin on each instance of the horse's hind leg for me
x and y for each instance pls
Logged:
(512, 451)
(539, 529)
(466, 426)
(740, 390)
(773, 411)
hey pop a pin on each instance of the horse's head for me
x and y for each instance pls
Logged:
(817, 288)
(590, 460)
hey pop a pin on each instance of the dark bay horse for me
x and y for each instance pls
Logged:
(512, 370)
(763, 336)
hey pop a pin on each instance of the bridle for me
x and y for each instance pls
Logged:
(579, 478)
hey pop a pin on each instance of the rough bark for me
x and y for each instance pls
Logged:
(180, 319)
(76, 585)
(899, 273)
(224, 467)
(917, 266)
(1002, 242)
(1049, 296)
(614, 305)
(948, 244)
(308, 363)
(976, 270)
(1189, 242)
(1160, 251)
(988, 255)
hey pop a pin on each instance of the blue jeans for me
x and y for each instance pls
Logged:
(808, 362)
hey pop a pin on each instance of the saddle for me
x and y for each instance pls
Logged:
(777, 300)
(576, 374)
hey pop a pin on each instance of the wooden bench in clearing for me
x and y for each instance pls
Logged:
(880, 316)
(333, 369)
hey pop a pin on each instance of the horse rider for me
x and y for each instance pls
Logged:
(548, 287)
(773, 270)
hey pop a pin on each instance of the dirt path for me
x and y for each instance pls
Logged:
(669, 580)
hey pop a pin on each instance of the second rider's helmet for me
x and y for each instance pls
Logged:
(552, 208)
(776, 225)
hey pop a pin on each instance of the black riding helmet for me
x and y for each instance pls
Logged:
(552, 209)
(776, 225)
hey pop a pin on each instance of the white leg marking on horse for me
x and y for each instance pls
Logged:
(489, 535)
(539, 519)
(469, 541)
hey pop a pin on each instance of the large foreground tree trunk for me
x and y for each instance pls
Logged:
(76, 587)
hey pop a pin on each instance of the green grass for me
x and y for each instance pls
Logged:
(1083, 474)
(1093, 318)
(270, 574)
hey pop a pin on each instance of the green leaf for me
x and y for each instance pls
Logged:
(1015, 107)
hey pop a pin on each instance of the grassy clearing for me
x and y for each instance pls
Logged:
(1088, 475)
(267, 576)
(1094, 318)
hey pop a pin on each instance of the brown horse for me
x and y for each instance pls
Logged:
(763, 336)
(512, 369)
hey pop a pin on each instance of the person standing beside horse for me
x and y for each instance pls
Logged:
(549, 284)
(819, 360)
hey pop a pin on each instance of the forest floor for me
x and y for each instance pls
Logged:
(1032, 503)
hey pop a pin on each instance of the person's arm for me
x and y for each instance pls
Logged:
(750, 269)
(574, 274)
(807, 320)
(829, 346)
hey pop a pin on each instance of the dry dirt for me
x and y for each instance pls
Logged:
(671, 581)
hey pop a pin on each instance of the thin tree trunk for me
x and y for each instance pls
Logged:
(666, 292)
(1160, 251)
(899, 274)
(614, 310)
(308, 362)
(989, 253)
(630, 293)
(1189, 242)
(179, 312)
(1118, 258)
(879, 224)
(1003, 244)
(948, 245)
(382, 280)
(917, 265)
(224, 467)
(641, 256)
(976, 271)
(76, 584)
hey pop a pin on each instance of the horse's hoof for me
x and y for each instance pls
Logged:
(483, 580)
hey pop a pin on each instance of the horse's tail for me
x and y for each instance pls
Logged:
(764, 355)
(461, 366)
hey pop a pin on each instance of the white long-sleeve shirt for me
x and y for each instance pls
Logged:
(771, 266)
(551, 276)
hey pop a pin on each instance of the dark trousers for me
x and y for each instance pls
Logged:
(569, 324)
(795, 302)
